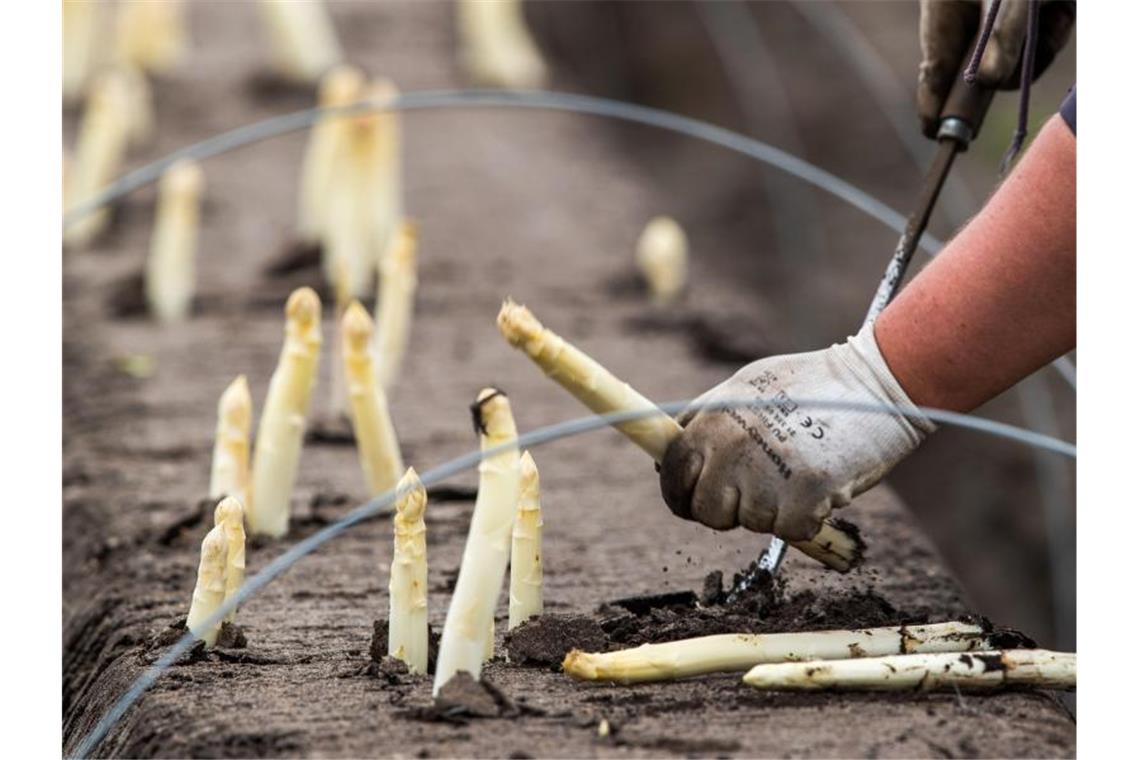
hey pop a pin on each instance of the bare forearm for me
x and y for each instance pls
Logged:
(1000, 301)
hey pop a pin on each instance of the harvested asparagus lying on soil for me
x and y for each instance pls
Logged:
(470, 616)
(981, 671)
(340, 87)
(497, 48)
(229, 471)
(837, 545)
(102, 143)
(663, 257)
(302, 39)
(230, 517)
(526, 548)
(732, 652)
(364, 206)
(170, 270)
(371, 423)
(395, 301)
(210, 590)
(407, 584)
(150, 36)
(282, 427)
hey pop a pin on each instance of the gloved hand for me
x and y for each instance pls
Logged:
(781, 467)
(946, 33)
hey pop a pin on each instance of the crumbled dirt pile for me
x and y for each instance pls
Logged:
(545, 640)
(378, 647)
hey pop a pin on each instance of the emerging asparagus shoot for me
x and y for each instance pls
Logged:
(982, 671)
(662, 255)
(210, 590)
(601, 392)
(407, 584)
(340, 87)
(496, 46)
(170, 270)
(282, 427)
(102, 143)
(395, 301)
(470, 616)
(229, 471)
(81, 22)
(229, 516)
(740, 651)
(371, 423)
(302, 39)
(526, 548)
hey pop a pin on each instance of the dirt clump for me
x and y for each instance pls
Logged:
(378, 647)
(545, 640)
(231, 636)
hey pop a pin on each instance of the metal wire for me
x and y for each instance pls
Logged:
(381, 505)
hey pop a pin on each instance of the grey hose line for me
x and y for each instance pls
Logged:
(381, 505)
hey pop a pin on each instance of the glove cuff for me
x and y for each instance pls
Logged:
(864, 349)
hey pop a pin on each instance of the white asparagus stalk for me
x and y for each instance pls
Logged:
(407, 584)
(340, 87)
(496, 47)
(150, 35)
(395, 301)
(339, 387)
(371, 423)
(526, 548)
(983, 671)
(588, 381)
(140, 104)
(170, 270)
(102, 143)
(663, 257)
(282, 426)
(210, 590)
(302, 39)
(81, 21)
(733, 652)
(229, 470)
(471, 615)
(230, 516)
(364, 208)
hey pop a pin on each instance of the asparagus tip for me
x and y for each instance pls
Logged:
(340, 86)
(182, 178)
(229, 511)
(517, 324)
(528, 473)
(303, 307)
(412, 497)
(577, 664)
(236, 403)
(356, 325)
(488, 406)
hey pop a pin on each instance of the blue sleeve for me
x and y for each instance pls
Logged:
(1069, 109)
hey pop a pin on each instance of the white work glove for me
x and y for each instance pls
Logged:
(780, 465)
(946, 32)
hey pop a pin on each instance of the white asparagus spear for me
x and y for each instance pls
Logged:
(364, 206)
(663, 256)
(740, 651)
(371, 423)
(395, 301)
(526, 548)
(980, 671)
(282, 426)
(81, 26)
(150, 35)
(170, 270)
(210, 590)
(470, 616)
(302, 39)
(340, 87)
(140, 104)
(229, 470)
(407, 584)
(230, 516)
(496, 47)
(588, 381)
(102, 143)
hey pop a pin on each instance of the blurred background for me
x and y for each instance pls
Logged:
(830, 82)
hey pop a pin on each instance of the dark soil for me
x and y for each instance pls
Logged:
(509, 203)
(545, 640)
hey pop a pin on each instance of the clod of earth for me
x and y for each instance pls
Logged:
(545, 640)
